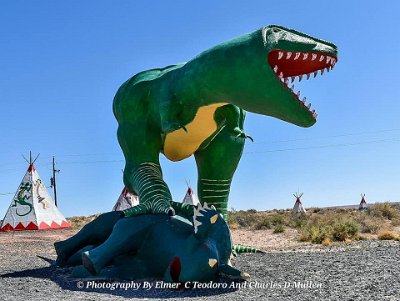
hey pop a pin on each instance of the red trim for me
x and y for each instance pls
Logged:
(7, 228)
(65, 224)
(44, 226)
(19, 226)
(31, 168)
(31, 226)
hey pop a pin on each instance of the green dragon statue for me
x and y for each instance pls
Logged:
(152, 246)
(198, 108)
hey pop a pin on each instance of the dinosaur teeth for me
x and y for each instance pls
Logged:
(300, 77)
(328, 59)
(304, 100)
(313, 56)
(315, 74)
(297, 55)
(305, 56)
(322, 71)
(308, 76)
(321, 58)
(288, 55)
(309, 106)
(286, 81)
(293, 78)
(292, 88)
(298, 95)
(280, 55)
(281, 75)
(276, 68)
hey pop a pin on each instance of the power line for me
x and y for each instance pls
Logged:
(323, 146)
(327, 137)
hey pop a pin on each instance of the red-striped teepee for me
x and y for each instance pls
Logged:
(190, 197)
(126, 200)
(363, 204)
(298, 208)
(32, 208)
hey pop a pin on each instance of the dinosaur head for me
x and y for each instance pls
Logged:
(256, 71)
(290, 55)
(209, 249)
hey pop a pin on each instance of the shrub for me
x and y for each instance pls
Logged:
(264, 224)
(279, 228)
(386, 235)
(343, 230)
(277, 219)
(370, 225)
(315, 234)
(384, 210)
(326, 242)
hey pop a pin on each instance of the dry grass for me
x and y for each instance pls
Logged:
(77, 222)
(386, 235)
(323, 226)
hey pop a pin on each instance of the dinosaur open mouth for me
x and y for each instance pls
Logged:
(289, 65)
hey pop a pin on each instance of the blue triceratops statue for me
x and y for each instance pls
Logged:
(152, 246)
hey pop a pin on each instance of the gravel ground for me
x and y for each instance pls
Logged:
(366, 270)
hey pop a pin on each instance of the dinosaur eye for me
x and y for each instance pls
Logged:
(276, 30)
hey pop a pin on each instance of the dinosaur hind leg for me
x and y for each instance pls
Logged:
(216, 165)
(142, 172)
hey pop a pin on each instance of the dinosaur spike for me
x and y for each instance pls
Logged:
(198, 213)
(196, 225)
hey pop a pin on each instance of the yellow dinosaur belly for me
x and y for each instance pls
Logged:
(181, 144)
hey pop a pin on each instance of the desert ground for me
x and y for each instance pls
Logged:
(288, 270)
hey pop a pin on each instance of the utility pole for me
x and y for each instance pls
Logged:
(53, 181)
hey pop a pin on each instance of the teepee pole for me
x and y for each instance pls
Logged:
(54, 181)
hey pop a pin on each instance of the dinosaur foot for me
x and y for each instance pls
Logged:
(88, 263)
(61, 252)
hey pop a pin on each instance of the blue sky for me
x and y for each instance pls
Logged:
(61, 63)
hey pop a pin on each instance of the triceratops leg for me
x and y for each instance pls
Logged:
(142, 173)
(216, 165)
(126, 237)
(93, 233)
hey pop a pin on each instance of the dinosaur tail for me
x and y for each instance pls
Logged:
(238, 249)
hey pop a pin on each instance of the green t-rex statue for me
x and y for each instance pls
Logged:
(152, 246)
(198, 108)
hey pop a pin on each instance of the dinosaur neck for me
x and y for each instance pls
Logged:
(220, 74)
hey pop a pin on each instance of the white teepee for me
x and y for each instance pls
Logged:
(363, 204)
(126, 200)
(190, 198)
(32, 208)
(298, 206)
